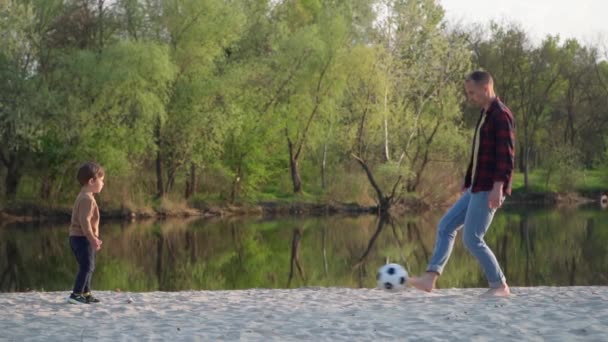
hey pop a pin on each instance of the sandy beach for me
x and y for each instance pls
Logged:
(310, 314)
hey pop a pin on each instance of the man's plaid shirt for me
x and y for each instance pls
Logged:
(496, 151)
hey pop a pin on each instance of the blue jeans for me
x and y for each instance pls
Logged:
(472, 212)
(85, 256)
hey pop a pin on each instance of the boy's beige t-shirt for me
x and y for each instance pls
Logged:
(85, 216)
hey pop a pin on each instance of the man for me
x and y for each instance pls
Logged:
(487, 181)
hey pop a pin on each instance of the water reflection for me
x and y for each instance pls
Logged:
(538, 247)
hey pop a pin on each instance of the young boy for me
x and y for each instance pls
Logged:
(84, 231)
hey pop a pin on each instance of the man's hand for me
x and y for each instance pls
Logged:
(495, 200)
(96, 244)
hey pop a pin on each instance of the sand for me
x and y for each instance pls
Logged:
(310, 314)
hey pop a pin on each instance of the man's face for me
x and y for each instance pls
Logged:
(477, 94)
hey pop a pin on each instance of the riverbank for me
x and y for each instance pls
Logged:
(29, 212)
(32, 212)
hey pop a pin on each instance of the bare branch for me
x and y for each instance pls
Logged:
(381, 223)
(395, 188)
(286, 81)
(370, 177)
(316, 108)
(3, 159)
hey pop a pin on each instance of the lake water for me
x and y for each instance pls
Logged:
(534, 246)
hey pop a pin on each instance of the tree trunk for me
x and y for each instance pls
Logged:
(413, 227)
(295, 256)
(100, 32)
(191, 183)
(526, 158)
(14, 275)
(191, 245)
(569, 138)
(526, 168)
(525, 231)
(45, 187)
(570, 100)
(295, 176)
(159, 261)
(324, 244)
(238, 246)
(160, 189)
(384, 202)
(293, 167)
(520, 159)
(170, 179)
(382, 221)
(13, 176)
(387, 156)
(572, 277)
(235, 184)
(323, 165)
(11, 184)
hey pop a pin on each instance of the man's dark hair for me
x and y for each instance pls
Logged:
(480, 77)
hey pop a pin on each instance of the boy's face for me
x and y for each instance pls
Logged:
(95, 185)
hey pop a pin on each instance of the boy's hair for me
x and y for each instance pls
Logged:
(480, 77)
(89, 170)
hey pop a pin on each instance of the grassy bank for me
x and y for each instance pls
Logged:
(351, 197)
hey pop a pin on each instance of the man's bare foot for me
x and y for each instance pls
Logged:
(502, 291)
(425, 283)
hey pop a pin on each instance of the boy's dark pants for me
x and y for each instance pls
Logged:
(85, 255)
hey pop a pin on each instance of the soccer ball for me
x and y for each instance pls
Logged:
(391, 277)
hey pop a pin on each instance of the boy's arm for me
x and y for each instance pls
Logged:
(85, 212)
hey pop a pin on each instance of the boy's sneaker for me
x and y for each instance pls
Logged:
(90, 299)
(77, 299)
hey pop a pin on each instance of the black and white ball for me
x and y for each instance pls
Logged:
(391, 277)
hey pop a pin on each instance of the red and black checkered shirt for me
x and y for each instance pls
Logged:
(496, 153)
